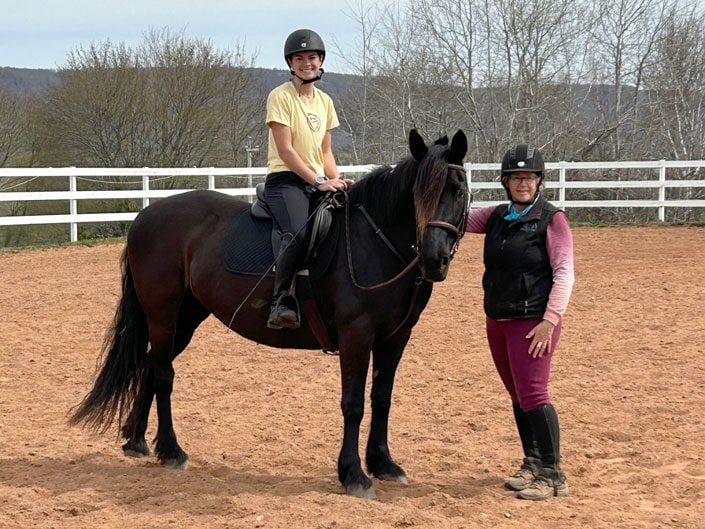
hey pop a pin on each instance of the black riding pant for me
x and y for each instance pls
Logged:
(287, 195)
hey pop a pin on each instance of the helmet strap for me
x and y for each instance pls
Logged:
(528, 202)
(525, 202)
(307, 81)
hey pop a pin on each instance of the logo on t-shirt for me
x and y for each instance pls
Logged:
(314, 122)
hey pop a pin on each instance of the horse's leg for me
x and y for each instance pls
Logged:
(386, 357)
(135, 425)
(354, 362)
(191, 315)
(167, 448)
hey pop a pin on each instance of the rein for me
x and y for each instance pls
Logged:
(458, 231)
(386, 241)
(417, 282)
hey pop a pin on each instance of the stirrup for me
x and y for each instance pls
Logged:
(282, 315)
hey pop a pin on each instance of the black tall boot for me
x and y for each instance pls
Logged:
(284, 311)
(531, 464)
(550, 480)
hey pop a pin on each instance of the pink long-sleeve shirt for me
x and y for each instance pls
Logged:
(559, 245)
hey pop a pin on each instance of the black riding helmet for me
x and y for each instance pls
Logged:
(303, 40)
(523, 157)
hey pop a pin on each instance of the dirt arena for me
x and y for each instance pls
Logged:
(263, 427)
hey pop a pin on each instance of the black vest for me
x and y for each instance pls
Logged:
(518, 277)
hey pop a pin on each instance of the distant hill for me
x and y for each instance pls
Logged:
(31, 81)
(25, 80)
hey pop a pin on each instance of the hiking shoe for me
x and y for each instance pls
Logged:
(523, 477)
(282, 316)
(544, 487)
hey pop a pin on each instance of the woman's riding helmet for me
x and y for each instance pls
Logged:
(523, 157)
(303, 40)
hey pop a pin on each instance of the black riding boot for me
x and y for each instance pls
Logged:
(284, 311)
(531, 464)
(550, 480)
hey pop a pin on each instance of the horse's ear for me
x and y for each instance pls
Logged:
(458, 147)
(417, 146)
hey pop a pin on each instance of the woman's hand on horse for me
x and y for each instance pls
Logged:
(336, 184)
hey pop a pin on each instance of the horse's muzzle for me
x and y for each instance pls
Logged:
(435, 268)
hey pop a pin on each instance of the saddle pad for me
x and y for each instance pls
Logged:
(247, 248)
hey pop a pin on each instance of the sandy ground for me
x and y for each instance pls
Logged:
(263, 426)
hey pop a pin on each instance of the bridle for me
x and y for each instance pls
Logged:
(457, 230)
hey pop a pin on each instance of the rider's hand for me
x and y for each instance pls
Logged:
(336, 184)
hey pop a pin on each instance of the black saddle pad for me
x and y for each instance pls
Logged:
(248, 246)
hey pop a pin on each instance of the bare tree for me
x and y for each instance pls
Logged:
(675, 79)
(540, 49)
(627, 33)
(13, 127)
(355, 112)
(170, 102)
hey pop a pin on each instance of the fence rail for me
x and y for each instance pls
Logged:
(561, 176)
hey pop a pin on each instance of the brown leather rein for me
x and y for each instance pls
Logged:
(458, 231)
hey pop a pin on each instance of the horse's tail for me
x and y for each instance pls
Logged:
(123, 355)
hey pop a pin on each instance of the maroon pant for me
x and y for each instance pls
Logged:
(525, 377)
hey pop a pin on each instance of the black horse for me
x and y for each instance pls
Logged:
(396, 234)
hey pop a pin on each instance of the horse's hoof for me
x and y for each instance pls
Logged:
(358, 491)
(399, 478)
(133, 453)
(180, 462)
(176, 464)
(135, 449)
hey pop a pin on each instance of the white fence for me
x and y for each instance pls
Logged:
(560, 176)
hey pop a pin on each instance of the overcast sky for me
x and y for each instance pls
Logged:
(40, 33)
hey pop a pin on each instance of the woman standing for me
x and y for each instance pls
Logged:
(528, 279)
(299, 160)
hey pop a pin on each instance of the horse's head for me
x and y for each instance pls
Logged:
(441, 199)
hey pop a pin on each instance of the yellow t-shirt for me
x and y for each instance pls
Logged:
(308, 120)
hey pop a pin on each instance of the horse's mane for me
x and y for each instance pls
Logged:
(390, 193)
(387, 192)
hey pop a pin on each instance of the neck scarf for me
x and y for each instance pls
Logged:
(513, 215)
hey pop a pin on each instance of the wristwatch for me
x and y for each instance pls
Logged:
(320, 180)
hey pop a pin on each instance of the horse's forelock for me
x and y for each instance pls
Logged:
(383, 189)
(429, 185)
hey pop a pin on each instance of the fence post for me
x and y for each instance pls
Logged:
(468, 174)
(561, 182)
(145, 190)
(211, 181)
(73, 208)
(662, 190)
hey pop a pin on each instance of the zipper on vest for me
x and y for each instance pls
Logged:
(526, 306)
